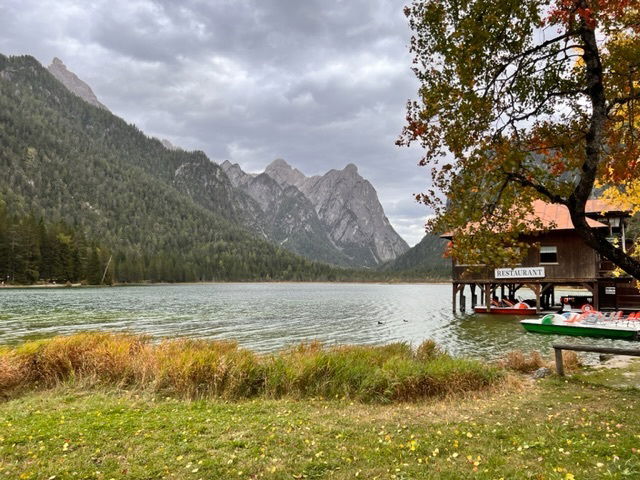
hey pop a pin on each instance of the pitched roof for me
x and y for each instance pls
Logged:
(557, 217)
(599, 206)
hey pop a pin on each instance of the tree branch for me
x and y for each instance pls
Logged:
(525, 182)
(491, 208)
(508, 61)
(622, 101)
(535, 111)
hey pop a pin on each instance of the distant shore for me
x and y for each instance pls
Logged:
(159, 284)
(48, 285)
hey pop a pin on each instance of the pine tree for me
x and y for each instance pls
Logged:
(94, 274)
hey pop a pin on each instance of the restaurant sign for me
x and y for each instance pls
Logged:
(521, 272)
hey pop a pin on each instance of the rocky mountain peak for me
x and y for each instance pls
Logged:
(351, 169)
(338, 214)
(279, 163)
(349, 205)
(237, 176)
(285, 174)
(70, 80)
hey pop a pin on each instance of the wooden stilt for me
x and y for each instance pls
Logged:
(487, 296)
(474, 299)
(516, 287)
(455, 291)
(546, 293)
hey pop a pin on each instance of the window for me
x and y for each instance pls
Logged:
(549, 254)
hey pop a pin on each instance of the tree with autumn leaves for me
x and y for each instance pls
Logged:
(522, 100)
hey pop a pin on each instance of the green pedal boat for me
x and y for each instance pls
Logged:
(593, 324)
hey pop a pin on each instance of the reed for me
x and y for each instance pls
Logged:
(221, 369)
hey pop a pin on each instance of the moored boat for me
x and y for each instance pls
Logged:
(520, 308)
(594, 324)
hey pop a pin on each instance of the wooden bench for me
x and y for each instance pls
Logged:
(633, 352)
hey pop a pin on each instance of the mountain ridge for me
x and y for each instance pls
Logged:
(426, 258)
(341, 231)
(288, 217)
(344, 203)
(349, 205)
(73, 83)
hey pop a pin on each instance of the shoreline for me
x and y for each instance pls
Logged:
(239, 282)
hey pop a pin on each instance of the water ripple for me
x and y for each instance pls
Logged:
(266, 317)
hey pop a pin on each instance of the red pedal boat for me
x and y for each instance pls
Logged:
(520, 308)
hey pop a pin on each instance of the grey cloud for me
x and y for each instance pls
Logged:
(319, 83)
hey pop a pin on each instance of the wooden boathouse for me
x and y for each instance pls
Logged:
(558, 257)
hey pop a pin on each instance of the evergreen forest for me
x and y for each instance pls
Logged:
(32, 251)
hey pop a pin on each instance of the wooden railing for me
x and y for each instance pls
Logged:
(633, 352)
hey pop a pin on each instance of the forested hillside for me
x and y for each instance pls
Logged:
(425, 259)
(64, 160)
(32, 250)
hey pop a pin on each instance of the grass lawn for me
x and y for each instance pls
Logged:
(552, 429)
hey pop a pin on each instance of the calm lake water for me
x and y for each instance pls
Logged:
(269, 316)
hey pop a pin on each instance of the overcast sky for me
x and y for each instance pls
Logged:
(318, 83)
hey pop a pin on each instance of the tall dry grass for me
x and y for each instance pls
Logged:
(518, 361)
(205, 369)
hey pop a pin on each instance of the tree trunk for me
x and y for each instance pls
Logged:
(578, 199)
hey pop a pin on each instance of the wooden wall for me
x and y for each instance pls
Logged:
(627, 296)
(576, 261)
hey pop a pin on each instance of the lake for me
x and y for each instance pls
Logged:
(269, 316)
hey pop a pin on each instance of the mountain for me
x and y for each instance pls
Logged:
(335, 217)
(287, 217)
(73, 83)
(206, 183)
(285, 174)
(349, 207)
(426, 258)
(164, 214)
(298, 213)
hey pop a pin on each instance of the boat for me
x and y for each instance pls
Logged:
(519, 308)
(587, 324)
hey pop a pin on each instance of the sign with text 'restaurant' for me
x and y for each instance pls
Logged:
(521, 272)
